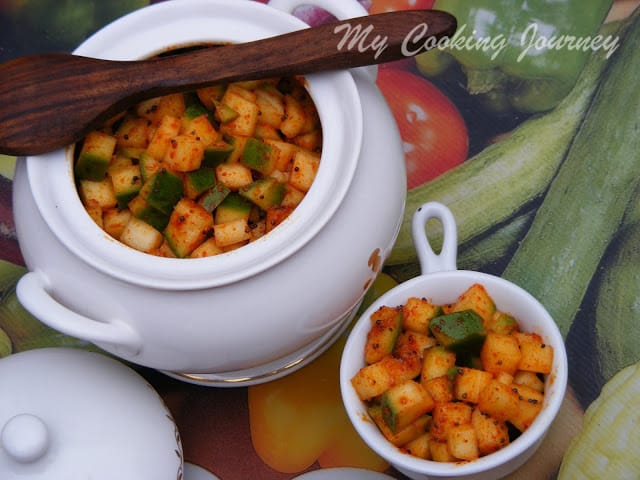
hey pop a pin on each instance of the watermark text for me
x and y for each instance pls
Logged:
(531, 42)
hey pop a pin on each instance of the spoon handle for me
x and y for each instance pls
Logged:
(50, 101)
(350, 43)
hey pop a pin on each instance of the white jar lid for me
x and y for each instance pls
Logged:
(71, 414)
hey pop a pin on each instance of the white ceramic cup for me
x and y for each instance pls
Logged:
(441, 282)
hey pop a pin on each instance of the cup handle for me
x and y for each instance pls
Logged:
(430, 262)
(32, 291)
(340, 9)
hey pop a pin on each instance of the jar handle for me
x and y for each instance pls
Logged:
(430, 262)
(340, 9)
(32, 291)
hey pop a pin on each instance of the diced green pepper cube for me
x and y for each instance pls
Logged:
(141, 209)
(258, 156)
(149, 166)
(237, 142)
(214, 197)
(163, 190)
(404, 403)
(131, 152)
(386, 325)
(233, 207)
(95, 155)
(503, 323)
(216, 154)
(265, 192)
(127, 182)
(207, 95)
(223, 113)
(459, 331)
(199, 181)
(189, 226)
(193, 106)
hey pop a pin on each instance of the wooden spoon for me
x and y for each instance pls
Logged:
(52, 100)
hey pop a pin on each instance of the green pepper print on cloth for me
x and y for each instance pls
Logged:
(525, 54)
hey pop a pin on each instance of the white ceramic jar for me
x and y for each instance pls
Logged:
(441, 282)
(252, 314)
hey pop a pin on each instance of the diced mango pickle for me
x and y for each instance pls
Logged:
(479, 378)
(202, 173)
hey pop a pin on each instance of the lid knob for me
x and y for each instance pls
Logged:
(25, 438)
